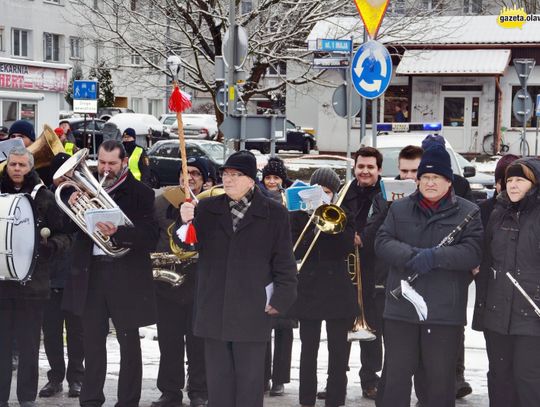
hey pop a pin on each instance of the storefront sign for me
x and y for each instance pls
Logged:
(27, 77)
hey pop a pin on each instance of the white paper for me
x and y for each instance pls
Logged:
(394, 189)
(8, 145)
(93, 216)
(312, 198)
(410, 294)
(269, 292)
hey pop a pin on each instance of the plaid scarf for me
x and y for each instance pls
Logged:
(430, 208)
(239, 208)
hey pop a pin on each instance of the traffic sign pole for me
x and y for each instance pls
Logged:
(348, 78)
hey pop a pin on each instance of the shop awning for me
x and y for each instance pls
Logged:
(16, 95)
(454, 62)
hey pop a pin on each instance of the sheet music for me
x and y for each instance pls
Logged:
(8, 145)
(410, 294)
(94, 215)
(269, 292)
(394, 189)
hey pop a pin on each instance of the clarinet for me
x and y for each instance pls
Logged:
(446, 241)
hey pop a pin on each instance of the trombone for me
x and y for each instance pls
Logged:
(360, 330)
(328, 218)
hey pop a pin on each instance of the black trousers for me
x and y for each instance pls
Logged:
(410, 346)
(514, 370)
(95, 321)
(371, 352)
(20, 319)
(235, 373)
(278, 368)
(175, 333)
(338, 357)
(54, 320)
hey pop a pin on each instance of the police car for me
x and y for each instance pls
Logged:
(392, 137)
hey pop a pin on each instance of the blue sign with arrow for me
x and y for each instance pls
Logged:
(371, 70)
(85, 90)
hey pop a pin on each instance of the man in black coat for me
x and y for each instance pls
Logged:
(21, 306)
(408, 240)
(175, 306)
(120, 288)
(138, 162)
(247, 274)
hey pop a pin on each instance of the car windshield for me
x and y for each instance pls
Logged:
(214, 151)
(169, 120)
(390, 162)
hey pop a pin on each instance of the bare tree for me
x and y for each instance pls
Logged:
(530, 6)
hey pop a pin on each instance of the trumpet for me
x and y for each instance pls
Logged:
(328, 218)
(91, 196)
(360, 330)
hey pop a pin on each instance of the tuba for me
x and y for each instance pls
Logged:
(165, 264)
(91, 196)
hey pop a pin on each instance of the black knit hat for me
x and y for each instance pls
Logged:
(325, 177)
(276, 167)
(243, 161)
(23, 127)
(200, 163)
(57, 162)
(436, 160)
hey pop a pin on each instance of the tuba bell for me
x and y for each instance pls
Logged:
(91, 196)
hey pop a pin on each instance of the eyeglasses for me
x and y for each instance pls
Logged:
(194, 174)
(435, 179)
(233, 175)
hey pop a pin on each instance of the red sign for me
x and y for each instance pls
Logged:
(372, 13)
(27, 77)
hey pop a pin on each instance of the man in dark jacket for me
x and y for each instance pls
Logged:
(138, 162)
(120, 288)
(247, 274)
(408, 240)
(367, 172)
(21, 306)
(175, 306)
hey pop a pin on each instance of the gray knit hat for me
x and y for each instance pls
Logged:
(325, 177)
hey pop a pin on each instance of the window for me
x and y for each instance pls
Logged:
(76, 48)
(19, 45)
(246, 6)
(155, 59)
(133, 5)
(277, 69)
(533, 90)
(397, 7)
(432, 4)
(2, 39)
(51, 47)
(136, 60)
(118, 59)
(396, 104)
(472, 6)
(98, 45)
(154, 107)
(96, 5)
(13, 110)
(136, 105)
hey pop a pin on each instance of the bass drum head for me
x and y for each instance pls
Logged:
(23, 238)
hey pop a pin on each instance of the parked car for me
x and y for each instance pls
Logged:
(303, 167)
(147, 128)
(199, 126)
(295, 139)
(168, 119)
(165, 158)
(105, 113)
(85, 131)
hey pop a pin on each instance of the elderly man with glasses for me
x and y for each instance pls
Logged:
(246, 274)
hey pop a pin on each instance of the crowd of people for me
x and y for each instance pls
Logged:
(218, 302)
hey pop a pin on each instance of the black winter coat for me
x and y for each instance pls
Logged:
(129, 286)
(325, 289)
(235, 267)
(445, 288)
(50, 216)
(513, 245)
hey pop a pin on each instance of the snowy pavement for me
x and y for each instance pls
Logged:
(475, 362)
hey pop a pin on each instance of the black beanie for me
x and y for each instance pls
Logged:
(243, 161)
(325, 177)
(199, 163)
(276, 167)
(436, 160)
(23, 127)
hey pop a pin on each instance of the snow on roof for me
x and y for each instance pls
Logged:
(454, 61)
(443, 30)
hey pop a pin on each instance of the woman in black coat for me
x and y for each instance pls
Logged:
(325, 292)
(511, 327)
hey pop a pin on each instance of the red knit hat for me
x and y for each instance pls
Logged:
(59, 131)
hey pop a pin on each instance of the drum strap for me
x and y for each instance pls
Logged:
(35, 190)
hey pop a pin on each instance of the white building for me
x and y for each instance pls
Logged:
(454, 70)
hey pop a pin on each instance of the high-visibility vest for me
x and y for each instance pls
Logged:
(69, 146)
(134, 163)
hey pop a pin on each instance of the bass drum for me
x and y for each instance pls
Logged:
(18, 237)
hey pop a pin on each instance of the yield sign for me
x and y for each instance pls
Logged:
(372, 13)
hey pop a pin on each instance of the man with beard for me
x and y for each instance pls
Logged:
(121, 288)
(21, 305)
(138, 162)
(175, 306)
